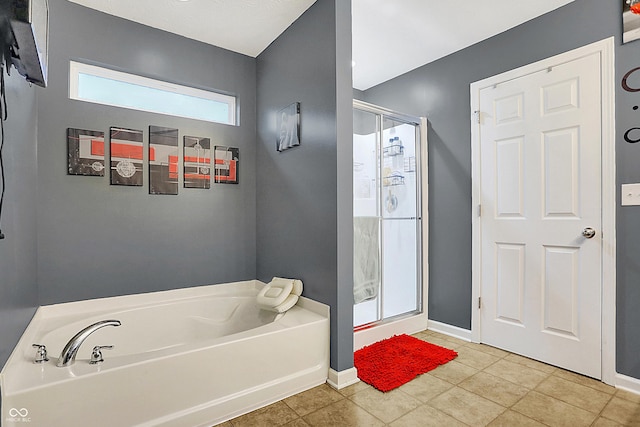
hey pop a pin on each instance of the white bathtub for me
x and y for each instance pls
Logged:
(188, 357)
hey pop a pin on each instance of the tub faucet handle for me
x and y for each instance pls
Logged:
(96, 354)
(69, 352)
(41, 353)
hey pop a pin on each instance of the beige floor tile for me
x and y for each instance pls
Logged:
(438, 340)
(277, 414)
(511, 418)
(344, 414)
(627, 395)
(553, 412)
(581, 379)
(467, 407)
(429, 333)
(297, 423)
(488, 349)
(517, 373)
(454, 340)
(622, 411)
(354, 388)
(311, 400)
(424, 335)
(385, 406)
(496, 389)
(426, 416)
(575, 394)
(224, 424)
(453, 372)
(475, 358)
(425, 387)
(530, 363)
(603, 422)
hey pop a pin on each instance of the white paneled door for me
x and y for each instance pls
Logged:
(540, 215)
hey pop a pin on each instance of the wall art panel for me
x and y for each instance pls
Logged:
(163, 160)
(126, 156)
(226, 165)
(85, 152)
(197, 162)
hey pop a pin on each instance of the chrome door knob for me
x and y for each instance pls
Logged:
(588, 232)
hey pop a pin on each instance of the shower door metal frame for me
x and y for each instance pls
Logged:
(381, 114)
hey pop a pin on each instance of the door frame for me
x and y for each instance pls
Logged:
(606, 49)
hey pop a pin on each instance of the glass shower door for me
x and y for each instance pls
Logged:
(400, 219)
(387, 222)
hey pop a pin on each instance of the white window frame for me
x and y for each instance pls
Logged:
(77, 68)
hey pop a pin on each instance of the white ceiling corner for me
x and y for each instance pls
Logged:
(243, 26)
(390, 38)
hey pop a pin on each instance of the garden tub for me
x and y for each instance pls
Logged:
(187, 357)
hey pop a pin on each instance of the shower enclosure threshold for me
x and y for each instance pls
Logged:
(370, 333)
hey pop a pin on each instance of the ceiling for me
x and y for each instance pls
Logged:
(390, 38)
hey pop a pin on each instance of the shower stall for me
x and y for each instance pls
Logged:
(389, 153)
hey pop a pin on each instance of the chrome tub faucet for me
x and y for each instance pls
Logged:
(68, 355)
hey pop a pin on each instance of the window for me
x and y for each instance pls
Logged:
(104, 86)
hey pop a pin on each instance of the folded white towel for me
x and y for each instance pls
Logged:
(274, 294)
(289, 302)
(280, 294)
(366, 262)
(297, 284)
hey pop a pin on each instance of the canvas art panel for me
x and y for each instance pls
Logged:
(163, 160)
(197, 162)
(288, 127)
(226, 164)
(126, 146)
(630, 20)
(85, 152)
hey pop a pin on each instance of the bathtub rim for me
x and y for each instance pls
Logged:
(70, 311)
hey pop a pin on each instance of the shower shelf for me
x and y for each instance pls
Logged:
(393, 150)
(392, 180)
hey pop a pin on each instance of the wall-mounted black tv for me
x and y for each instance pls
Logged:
(29, 38)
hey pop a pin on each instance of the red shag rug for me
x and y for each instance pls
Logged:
(390, 363)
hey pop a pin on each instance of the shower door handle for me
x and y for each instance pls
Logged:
(400, 218)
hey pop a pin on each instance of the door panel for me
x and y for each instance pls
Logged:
(540, 161)
(560, 305)
(561, 173)
(510, 177)
(510, 283)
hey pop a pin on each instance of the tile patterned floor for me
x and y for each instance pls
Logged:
(483, 386)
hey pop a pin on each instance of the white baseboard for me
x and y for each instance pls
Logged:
(452, 331)
(629, 384)
(342, 379)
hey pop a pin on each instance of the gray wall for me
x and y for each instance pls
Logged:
(628, 234)
(297, 190)
(98, 240)
(18, 251)
(440, 91)
(343, 336)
